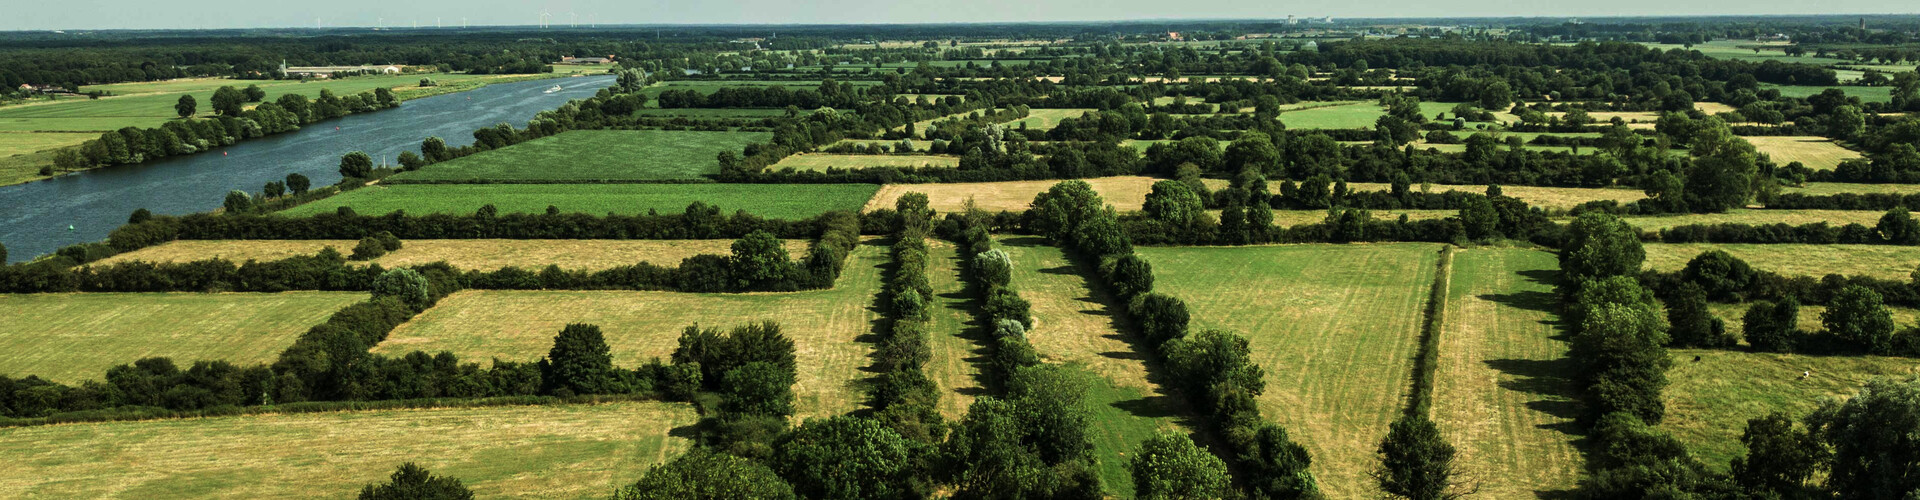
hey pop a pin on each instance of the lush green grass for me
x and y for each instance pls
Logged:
(1335, 326)
(1046, 119)
(561, 451)
(71, 338)
(1866, 94)
(1818, 153)
(1356, 115)
(781, 201)
(595, 155)
(826, 326)
(1709, 401)
(1890, 262)
(823, 161)
(1503, 392)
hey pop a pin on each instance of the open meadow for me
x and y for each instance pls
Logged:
(828, 327)
(75, 337)
(593, 155)
(1818, 153)
(1046, 118)
(1355, 115)
(822, 161)
(958, 344)
(570, 451)
(1125, 193)
(1758, 216)
(1543, 197)
(1336, 328)
(778, 201)
(1888, 262)
(1504, 393)
(1709, 401)
(470, 254)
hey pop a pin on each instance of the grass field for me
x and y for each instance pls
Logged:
(1866, 94)
(1732, 315)
(1046, 119)
(1076, 325)
(562, 451)
(1335, 326)
(1545, 197)
(75, 337)
(1503, 393)
(1356, 115)
(715, 112)
(959, 346)
(826, 326)
(1290, 218)
(823, 161)
(1126, 193)
(780, 201)
(1709, 401)
(591, 155)
(475, 254)
(1818, 153)
(1892, 262)
(1820, 188)
(1743, 50)
(1756, 216)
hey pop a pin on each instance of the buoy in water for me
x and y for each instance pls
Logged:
(69, 227)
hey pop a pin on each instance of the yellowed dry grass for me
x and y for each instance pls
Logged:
(1818, 153)
(823, 161)
(1626, 116)
(1891, 262)
(1290, 218)
(1126, 193)
(1821, 188)
(1544, 197)
(74, 337)
(477, 254)
(1734, 314)
(1047, 119)
(1755, 216)
(959, 348)
(1709, 401)
(1713, 108)
(520, 325)
(562, 451)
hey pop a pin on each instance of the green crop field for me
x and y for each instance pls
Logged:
(825, 326)
(1356, 115)
(789, 201)
(595, 155)
(1890, 262)
(70, 338)
(1504, 393)
(560, 451)
(1709, 401)
(1077, 325)
(1335, 326)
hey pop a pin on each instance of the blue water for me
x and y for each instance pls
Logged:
(34, 217)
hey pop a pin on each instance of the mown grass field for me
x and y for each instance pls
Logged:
(1732, 315)
(780, 201)
(958, 343)
(475, 254)
(823, 161)
(560, 451)
(595, 155)
(1290, 218)
(75, 337)
(1335, 326)
(827, 327)
(1504, 394)
(1046, 119)
(1709, 401)
(1356, 115)
(1125, 193)
(1544, 197)
(1077, 325)
(1757, 216)
(1892, 262)
(1818, 153)
(1820, 188)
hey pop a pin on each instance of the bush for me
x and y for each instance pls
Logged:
(406, 285)
(411, 482)
(369, 248)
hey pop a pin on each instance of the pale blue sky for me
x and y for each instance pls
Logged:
(119, 14)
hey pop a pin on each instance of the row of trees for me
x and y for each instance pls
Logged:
(902, 395)
(132, 145)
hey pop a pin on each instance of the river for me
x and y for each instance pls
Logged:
(34, 217)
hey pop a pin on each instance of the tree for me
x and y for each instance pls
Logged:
(1130, 275)
(238, 202)
(404, 284)
(369, 248)
(1845, 123)
(845, 457)
(1857, 315)
(1771, 327)
(186, 106)
(1693, 325)
(1416, 462)
(356, 165)
(1170, 467)
(1600, 245)
(995, 267)
(435, 149)
(1779, 460)
(1480, 219)
(298, 184)
(3, 255)
(579, 362)
(1898, 227)
(700, 474)
(228, 101)
(255, 94)
(274, 189)
(1875, 437)
(411, 482)
(1174, 203)
(759, 260)
(411, 161)
(758, 388)
(1719, 274)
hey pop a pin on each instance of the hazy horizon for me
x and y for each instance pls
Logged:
(230, 14)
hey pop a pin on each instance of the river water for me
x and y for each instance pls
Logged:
(34, 217)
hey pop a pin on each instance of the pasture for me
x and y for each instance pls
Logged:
(1504, 393)
(1336, 327)
(788, 201)
(75, 337)
(1355, 115)
(571, 451)
(1758, 216)
(1046, 119)
(1125, 193)
(1290, 218)
(1078, 325)
(1544, 197)
(1822, 188)
(1709, 401)
(1866, 94)
(827, 327)
(472, 254)
(1818, 153)
(594, 155)
(1890, 262)
(1732, 315)
(955, 338)
(823, 161)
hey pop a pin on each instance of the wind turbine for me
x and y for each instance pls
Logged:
(543, 18)
(436, 23)
(590, 21)
(573, 20)
(463, 23)
(382, 22)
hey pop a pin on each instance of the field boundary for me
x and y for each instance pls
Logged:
(1427, 362)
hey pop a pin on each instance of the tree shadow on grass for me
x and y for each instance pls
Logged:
(877, 329)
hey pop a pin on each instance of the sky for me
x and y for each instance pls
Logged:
(196, 14)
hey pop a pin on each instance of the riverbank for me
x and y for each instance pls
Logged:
(25, 167)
